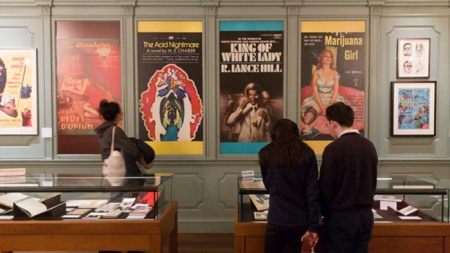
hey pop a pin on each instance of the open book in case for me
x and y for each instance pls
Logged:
(85, 196)
(397, 198)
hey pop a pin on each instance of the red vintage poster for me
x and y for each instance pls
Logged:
(88, 69)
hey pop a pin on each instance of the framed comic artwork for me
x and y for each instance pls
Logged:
(413, 58)
(18, 91)
(413, 108)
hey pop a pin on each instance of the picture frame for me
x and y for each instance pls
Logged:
(413, 108)
(18, 91)
(413, 58)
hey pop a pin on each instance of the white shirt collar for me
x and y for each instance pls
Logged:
(349, 131)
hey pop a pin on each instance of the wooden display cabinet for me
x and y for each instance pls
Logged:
(120, 234)
(390, 234)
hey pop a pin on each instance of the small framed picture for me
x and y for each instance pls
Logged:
(413, 108)
(413, 58)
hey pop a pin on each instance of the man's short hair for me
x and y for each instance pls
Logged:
(252, 86)
(341, 113)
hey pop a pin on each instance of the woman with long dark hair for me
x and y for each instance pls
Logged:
(289, 172)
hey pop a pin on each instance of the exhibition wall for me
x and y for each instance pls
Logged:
(146, 53)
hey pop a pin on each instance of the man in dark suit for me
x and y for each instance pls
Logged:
(348, 179)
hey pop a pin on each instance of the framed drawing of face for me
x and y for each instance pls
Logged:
(413, 58)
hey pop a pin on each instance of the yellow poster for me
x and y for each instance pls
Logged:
(18, 92)
(171, 86)
(332, 70)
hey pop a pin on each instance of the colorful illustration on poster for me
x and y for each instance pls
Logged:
(170, 76)
(88, 71)
(413, 108)
(171, 107)
(332, 70)
(18, 92)
(251, 83)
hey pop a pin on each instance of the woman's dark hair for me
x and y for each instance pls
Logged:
(108, 110)
(286, 149)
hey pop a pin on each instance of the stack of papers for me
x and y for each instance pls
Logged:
(139, 211)
(89, 203)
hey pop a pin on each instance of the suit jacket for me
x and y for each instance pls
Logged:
(253, 126)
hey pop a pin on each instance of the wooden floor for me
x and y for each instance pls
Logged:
(192, 243)
(204, 243)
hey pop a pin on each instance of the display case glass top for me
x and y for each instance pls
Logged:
(84, 196)
(82, 183)
(428, 200)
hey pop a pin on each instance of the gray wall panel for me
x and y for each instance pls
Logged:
(205, 185)
(437, 30)
(25, 33)
(189, 190)
(227, 190)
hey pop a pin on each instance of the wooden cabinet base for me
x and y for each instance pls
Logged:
(399, 237)
(92, 235)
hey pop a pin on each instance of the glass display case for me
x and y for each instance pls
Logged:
(87, 212)
(424, 199)
(63, 194)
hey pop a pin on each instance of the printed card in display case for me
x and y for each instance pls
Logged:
(127, 203)
(95, 203)
(386, 198)
(139, 212)
(407, 210)
(79, 211)
(256, 183)
(108, 207)
(12, 172)
(261, 201)
(260, 215)
(113, 214)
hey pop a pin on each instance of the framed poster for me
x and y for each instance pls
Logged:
(18, 92)
(251, 84)
(170, 60)
(332, 61)
(413, 108)
(88, 69)
(413, 58)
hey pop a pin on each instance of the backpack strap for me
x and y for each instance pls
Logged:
(112, 142)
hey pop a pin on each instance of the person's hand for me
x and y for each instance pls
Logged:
(263, 114)
(244, 102)
(149, 165)
(323, 109)
(312, 237)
